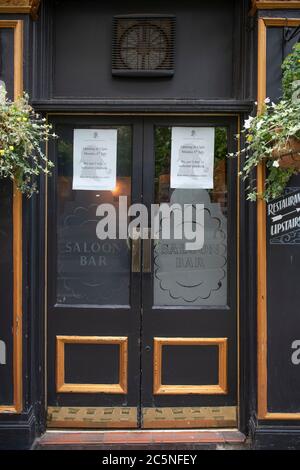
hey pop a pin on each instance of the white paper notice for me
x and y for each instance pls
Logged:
(192, 157)
(95, 159)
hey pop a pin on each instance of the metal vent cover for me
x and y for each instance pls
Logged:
(143, 45)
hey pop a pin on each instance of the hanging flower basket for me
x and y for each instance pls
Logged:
(22, 134)
(288, 154)
(272, 137)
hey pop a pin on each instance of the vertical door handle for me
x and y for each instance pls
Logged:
(147, 252)
(136, 252)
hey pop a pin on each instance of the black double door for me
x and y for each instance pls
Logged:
(141, 333)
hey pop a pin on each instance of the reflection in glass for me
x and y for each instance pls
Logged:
(90, 271)
(199, 277)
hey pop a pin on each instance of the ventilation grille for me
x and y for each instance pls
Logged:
(143, 45)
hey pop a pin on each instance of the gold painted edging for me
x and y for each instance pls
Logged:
(271, 5)
(20, 6)
(161, 389)
(119, 388)
(262, 333)
(238, 271)
(17, 26)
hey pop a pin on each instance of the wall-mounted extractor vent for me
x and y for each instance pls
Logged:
(143, 45)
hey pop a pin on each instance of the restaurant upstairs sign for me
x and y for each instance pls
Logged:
(284, 219)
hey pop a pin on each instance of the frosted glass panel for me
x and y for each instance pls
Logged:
(90, 271)
(195, 277)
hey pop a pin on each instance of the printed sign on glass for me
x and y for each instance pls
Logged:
(89, 271)
(95, 159)
(192, 157)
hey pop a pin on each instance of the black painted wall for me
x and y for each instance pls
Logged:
(19, 430)
(283, 263)
(279, 44)
(64, 62)
(6, 294)
(208, 45)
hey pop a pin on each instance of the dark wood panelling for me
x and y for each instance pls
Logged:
(104, 368)
(283, 300)
(7, 59)
(279, 44)
(6, 292)
(178, 365)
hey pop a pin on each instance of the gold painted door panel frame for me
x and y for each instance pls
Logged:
(262, 326)
(17, 26)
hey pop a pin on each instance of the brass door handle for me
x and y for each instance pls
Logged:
(136, 252)
(147, 253)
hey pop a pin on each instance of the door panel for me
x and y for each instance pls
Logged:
(141, 334)
(100, 273)
(189, 353)
(182, 278)
(93, 295)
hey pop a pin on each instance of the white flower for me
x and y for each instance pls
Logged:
(259, 124)
(276, 164)
(247, 123)
(267, 100)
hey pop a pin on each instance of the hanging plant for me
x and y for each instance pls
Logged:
(273, 136)
(291, 74)
(22, 132)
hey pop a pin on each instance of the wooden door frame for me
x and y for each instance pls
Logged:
(262, 322)
(17, 216)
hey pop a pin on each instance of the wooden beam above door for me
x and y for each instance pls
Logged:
(274, 5)
(20, 6)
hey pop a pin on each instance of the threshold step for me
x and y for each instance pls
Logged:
(143, 440)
